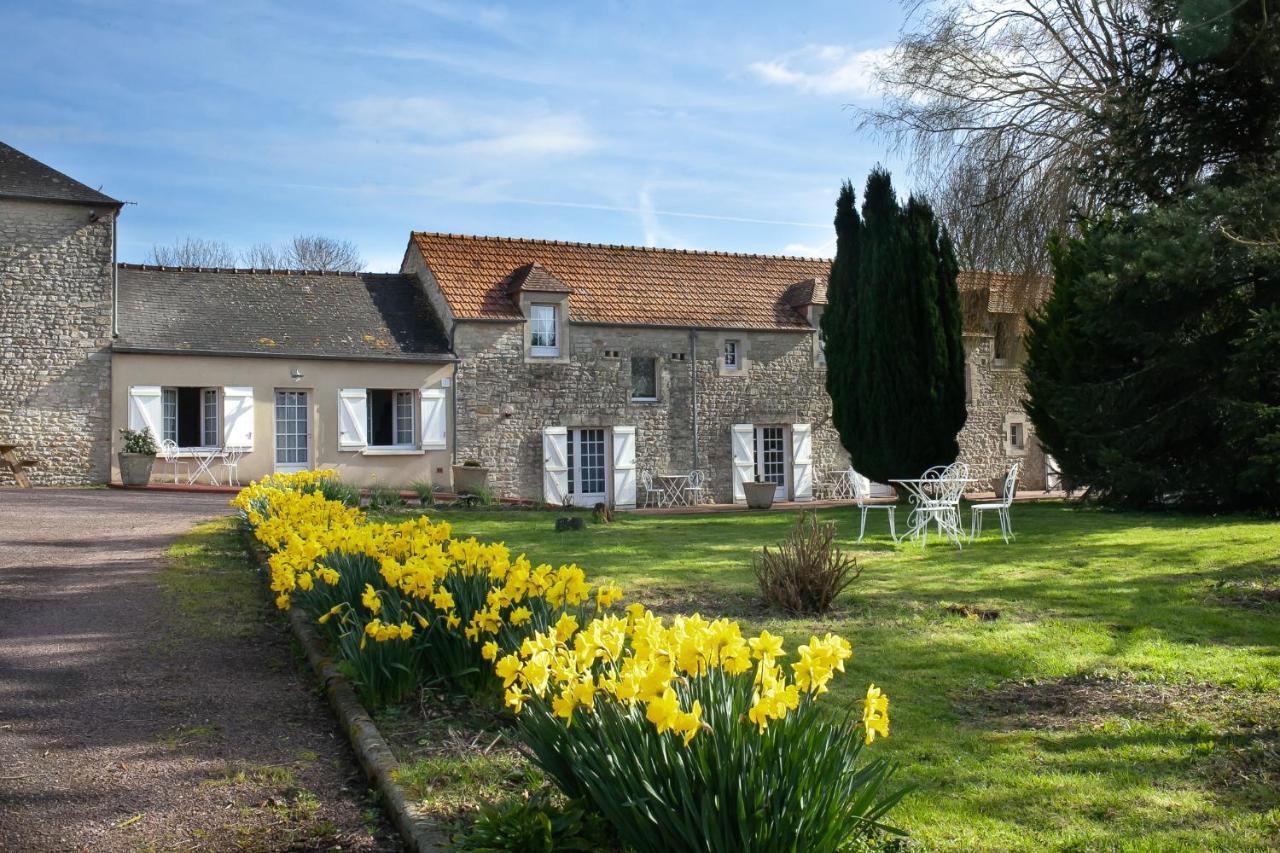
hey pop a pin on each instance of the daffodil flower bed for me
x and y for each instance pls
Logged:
(686, 735)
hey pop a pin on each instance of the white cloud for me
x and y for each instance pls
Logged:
(483, 130)
(806, 250)
(826, 70)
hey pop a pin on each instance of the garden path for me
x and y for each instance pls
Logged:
(120, 728)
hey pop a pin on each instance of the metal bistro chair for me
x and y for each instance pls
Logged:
(861, 496)
(169, 450)
(697, 488)
(1001, 507)
(653, 495)
(942, 489)
(231, 464)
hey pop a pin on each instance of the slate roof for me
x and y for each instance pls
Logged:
(624, 285)
(22, 176)
(298, 314)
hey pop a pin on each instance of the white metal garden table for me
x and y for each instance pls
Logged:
(674, 488)
(204, 457)
(934, 500)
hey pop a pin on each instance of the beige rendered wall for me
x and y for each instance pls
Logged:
(322, 378)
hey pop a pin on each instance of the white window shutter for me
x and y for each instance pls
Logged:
(145, 409)
(555, 465)
(802, 461)
(353, 419)
(624, 467)
(434, 419)
(237, 417)
(744, 458)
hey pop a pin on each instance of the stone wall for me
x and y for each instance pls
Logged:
(55, 339)
(504, 403)
(995, 399)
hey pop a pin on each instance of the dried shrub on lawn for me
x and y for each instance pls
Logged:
(808, 570)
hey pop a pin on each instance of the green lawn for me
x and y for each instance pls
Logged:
(1125, 697)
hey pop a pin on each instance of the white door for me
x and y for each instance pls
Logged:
(771, 458)
(588, 472)
(293, 433)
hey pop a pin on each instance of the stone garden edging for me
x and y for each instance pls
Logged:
(373, 752)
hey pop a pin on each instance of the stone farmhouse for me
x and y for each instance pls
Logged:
(568, 369)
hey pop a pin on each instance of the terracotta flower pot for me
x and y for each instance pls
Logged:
(469, 479)
(135, 468)
(759, 495)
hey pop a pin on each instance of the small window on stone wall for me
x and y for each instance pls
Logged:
(644, 378)
(1018, 436)
(1005, 345)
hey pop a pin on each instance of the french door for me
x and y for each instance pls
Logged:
(771, 458)
(588, 474)
(293, 431)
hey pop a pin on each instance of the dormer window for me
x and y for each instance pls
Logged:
(731, 361)
(544, 325)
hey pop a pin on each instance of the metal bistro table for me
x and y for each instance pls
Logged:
(934, 500)
(204, 457)
(674, 488)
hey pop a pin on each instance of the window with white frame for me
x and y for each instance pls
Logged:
(544, 335)
(644, 377)
(732, 359)
(390, 416)
(191, 417)
(1018, 435)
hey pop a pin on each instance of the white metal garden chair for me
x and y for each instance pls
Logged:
(1001, 507)
(169, 450)
(696, 489)
(653, 495)
(861, 498)
(231, 464)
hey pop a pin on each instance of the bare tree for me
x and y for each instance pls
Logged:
(316, 252)
(194, 252)
(264, 256)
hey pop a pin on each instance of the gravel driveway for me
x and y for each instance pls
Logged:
(118, 733)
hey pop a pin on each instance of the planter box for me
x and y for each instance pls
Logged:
(468, 479)
(135, 468)
(759, 495)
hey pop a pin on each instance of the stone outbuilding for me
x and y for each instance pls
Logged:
(57, 283)
(582, 367)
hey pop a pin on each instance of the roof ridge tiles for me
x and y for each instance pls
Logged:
(577, 243)
(251, 270)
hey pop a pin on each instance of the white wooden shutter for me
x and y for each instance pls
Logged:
(555, 465)
(624, 467)
(237, 417)
(353, 419)
(434, 419)
(145, 409)
(802, 461)
(743, 438)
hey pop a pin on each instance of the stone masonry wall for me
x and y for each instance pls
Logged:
(995, 398)
(55, 339)
(503, 403)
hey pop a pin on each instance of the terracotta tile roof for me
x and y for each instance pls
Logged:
(630, 285)
(534, 278)
(625, 285)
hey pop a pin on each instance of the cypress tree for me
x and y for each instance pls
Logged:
(895, 359)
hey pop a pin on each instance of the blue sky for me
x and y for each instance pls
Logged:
(702, 125)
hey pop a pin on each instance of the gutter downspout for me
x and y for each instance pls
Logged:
(693, 386)
(115, 277)
(453, 401)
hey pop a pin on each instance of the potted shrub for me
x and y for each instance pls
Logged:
(470, 478)
(138, 456)
(759, 494)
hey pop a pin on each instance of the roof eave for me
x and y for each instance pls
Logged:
(403, 358)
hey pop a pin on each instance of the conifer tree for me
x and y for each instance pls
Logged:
(895, 358)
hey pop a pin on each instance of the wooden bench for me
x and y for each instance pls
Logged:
(17, 466)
